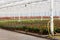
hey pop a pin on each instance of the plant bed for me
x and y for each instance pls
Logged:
(27, 29)
(36, 26)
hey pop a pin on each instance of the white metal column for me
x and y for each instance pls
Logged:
(52, 24)
(19, 17)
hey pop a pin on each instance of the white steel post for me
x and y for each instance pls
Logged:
(14, 16)
(52, 24)
(19, 17)
(42, 17)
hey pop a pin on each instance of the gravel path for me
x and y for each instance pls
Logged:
(8, 35)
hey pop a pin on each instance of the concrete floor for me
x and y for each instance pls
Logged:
(8, 35)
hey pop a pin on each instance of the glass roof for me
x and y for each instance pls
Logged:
(2, 2)
(11, 1)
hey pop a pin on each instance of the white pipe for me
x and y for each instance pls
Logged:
(52, 24)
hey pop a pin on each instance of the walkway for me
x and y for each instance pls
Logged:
(8, 35)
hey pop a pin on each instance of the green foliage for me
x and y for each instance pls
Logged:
(57, 29)
(35, 26)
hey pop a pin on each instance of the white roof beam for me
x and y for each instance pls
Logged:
(20, 3)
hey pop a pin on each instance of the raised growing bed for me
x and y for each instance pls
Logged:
(36, 26)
